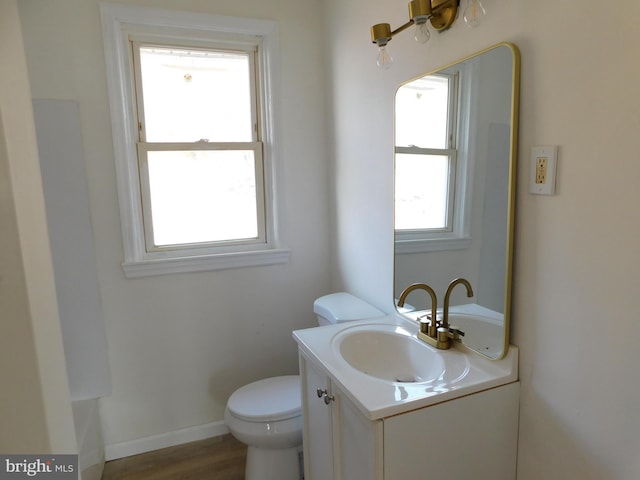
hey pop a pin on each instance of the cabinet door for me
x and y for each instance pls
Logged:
(357, 441)
(317, 428)
(469, 438)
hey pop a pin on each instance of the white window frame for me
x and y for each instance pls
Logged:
(121, 24)
(456, 236)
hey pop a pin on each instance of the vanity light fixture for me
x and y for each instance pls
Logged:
(439, 13)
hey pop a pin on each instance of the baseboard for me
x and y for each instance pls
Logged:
(164, 440)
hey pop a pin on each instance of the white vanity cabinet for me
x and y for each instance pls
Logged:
(471, 437)
(339, 441)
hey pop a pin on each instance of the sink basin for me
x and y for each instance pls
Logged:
(388, 352)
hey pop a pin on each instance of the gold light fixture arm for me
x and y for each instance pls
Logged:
(441, 14)
(401, 28)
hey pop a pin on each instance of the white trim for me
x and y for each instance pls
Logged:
(164, 440)
(466, 168)
(222, 261)
(154, 18)
(118, 22)
(431, 245)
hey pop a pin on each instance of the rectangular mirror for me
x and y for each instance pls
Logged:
(455, 147)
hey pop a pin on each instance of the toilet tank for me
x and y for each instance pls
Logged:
(343, 307)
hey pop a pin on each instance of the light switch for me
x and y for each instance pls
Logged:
(542, 176)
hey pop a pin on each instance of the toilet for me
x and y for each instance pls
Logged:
(266, 415)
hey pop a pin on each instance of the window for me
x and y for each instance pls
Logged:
(193, 138)
(199, 155)
(429, 180)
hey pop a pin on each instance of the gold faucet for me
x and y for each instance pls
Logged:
(429, 332)
(434, 302)
(440, 336)
(445, 308)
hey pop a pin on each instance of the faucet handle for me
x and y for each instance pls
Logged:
(442, 335)
(428, 326)
(429, 318)
(424, 323)
(455, 333)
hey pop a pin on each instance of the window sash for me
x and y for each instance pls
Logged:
(250, 49)
(448, 228)
(200, 247)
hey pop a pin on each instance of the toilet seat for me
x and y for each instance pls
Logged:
(268, 400)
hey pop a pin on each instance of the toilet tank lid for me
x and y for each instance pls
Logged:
(268, 400)
(343, 307)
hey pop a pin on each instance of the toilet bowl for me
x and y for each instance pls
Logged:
(266, 415)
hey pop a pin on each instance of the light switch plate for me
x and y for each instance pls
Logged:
(542, 173)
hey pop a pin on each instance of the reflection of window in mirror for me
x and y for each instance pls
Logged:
(429, 176)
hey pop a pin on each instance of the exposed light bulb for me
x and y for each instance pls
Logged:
(384, 60)
(474, 13)
(422, 34)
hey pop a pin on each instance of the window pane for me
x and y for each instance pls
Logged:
(190, 95)
(202, 196)
(421, 191)
(422, 112)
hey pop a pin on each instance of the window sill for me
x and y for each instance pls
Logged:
(431, 245)
(205, 263)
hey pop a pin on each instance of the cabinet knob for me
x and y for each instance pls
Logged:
(321, 392)
(328, 399)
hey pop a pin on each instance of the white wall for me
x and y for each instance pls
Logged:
(575, 313)
(35, 410)
(174, 340)
(180, 344)
(74, 262)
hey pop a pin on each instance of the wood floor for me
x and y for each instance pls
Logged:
(218, 458)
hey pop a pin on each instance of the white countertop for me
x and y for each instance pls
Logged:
(466, 372)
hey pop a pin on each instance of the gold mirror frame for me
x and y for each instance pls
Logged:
(514, 98)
